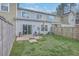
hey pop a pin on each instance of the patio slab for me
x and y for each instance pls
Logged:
(29, 38)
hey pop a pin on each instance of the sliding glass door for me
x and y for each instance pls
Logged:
(27, 29)
(24, 29)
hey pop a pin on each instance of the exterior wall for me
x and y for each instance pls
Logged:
(32, 15)
(10, 16)
(31, 18)
(19, 26)
(71, 18)
(64, 20)
(67, 19)
(7, 30)
(57, 19)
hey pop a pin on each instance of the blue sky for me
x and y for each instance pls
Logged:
(41, 6)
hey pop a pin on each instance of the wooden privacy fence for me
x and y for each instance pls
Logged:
(6, 36)
(72, 32)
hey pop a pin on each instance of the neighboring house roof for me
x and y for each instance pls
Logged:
(37, 11)
(67, 13)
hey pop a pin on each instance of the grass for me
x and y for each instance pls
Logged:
(49, 45)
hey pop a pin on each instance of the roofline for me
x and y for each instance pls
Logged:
(33, 20)
(65, 14)
(35, 11)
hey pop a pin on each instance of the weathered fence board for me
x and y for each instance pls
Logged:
(72, 32)
(6, 37)
(0, 39)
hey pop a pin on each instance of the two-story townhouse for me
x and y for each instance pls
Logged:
(7, 27)
(32, 21)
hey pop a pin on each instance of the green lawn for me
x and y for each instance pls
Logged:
(49, 45)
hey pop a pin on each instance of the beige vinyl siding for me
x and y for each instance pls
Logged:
(11, 14)
(7, 30)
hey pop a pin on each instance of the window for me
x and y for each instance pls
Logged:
(27, 29)
(46, 28)
(77, 15)
(42, 27)
(24, 14)
(24, 29)
(77, 21)
(55, 25)
(4, 7)
(50, 18)
(39, 16)
(77, 18)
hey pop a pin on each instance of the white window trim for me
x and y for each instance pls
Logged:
(26, 13)
(22, 14)
(5, 11)
(38, 15)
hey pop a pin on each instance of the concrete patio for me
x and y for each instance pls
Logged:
(29, 38)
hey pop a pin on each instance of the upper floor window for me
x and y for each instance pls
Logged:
(4, 7)
(55, 25)
(77, 18)
(39, 16)
(50, 18)
(24, 14)
(77, 15)
(77, 21)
